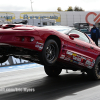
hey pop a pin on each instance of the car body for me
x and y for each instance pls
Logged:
(56, 47)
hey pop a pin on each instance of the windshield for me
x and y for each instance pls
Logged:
(61, 29)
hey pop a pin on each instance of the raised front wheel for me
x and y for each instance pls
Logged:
(50, 52)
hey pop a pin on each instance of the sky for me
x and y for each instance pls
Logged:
(48, 5)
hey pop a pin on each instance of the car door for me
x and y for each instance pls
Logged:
(79, 50)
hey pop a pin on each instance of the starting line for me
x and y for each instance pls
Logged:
(19, 67)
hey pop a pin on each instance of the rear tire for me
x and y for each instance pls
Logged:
(94, 73)
(3, 58)
(52, 71)
(50, 53)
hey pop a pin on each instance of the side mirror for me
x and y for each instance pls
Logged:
(74, 36)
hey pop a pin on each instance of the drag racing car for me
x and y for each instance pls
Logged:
(55, 47)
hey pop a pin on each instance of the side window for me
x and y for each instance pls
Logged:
(82, 36)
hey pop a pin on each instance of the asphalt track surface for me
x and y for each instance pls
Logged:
(29, 82)
(68, 86)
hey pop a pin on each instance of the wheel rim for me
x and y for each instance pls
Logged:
(50, 52)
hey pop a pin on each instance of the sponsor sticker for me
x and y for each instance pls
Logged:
(69, 53)
(80, 60)
(74, 57)
(62, 56)
(89, 62)
(39, 45)
(74, 54)
(67, 59)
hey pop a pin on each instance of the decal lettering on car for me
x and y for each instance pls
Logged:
(69, 53)
(78, 59)
(62, 56)
(74, 54)
(74, 57)
(39, 45)
(89, 63)
(81, 47)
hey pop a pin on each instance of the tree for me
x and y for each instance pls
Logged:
(59, 9)
(81, 9)
(78, 9)
(69, 9)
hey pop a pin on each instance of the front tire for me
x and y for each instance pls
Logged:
(50, 53)
(3, 58)
(94, 73)
(52, 71)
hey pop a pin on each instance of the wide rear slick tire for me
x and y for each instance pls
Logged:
(50, 52)
(94, 73)
(52, 71)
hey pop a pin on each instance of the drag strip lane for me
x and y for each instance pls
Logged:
(46, 88)
(19, 67)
